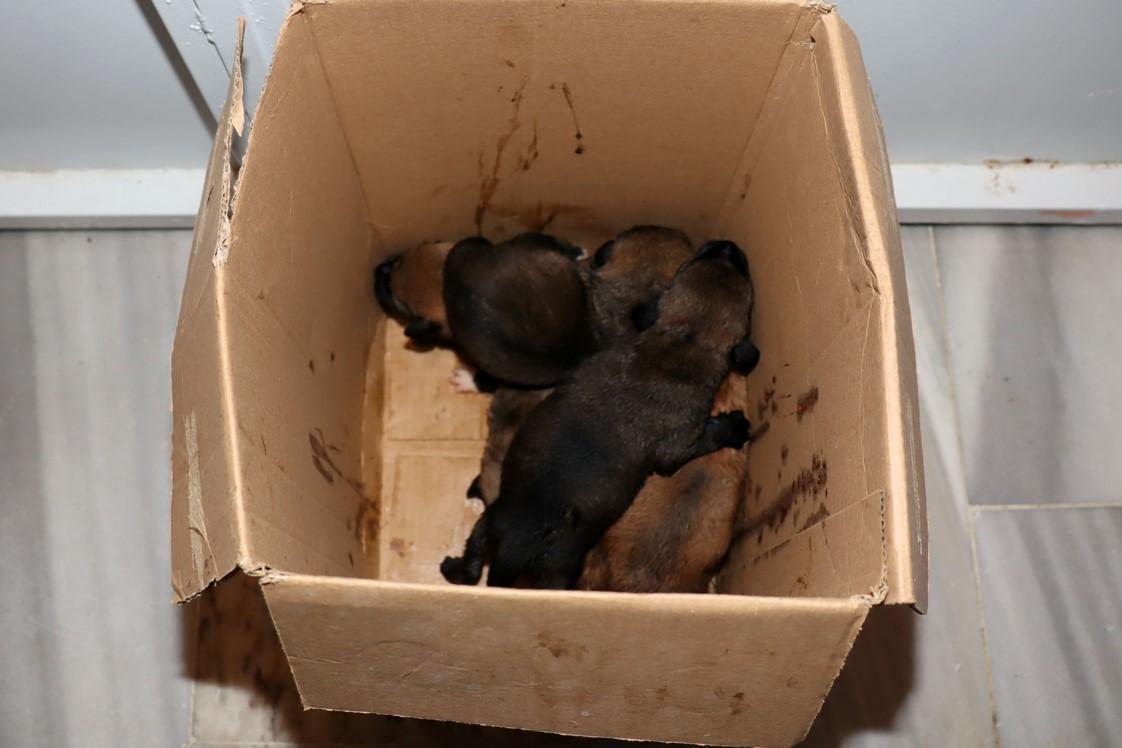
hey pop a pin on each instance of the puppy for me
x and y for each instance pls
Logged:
(628, 272)
(624, 274)
(517, 310)
(676, 533)
(632, 410)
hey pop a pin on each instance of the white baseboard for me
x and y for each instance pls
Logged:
(126, 198)
(925, 193)
(1038, 192)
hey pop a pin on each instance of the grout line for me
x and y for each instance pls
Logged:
(1035, 507)
(970, 513)
(196, 605)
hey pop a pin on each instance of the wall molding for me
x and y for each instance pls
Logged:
(1004, 192)
(925, 193)
(76, 199)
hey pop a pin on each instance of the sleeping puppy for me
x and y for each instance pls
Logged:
(676, 533)
(625, 413)
(628, 272)
(517, 310)
(625, 273)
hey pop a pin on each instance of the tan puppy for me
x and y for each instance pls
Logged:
(627, 273)
(675, 535)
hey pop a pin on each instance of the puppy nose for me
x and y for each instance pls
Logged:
(386, 267)
(383, 291)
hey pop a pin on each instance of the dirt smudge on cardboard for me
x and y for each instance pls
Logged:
(806, 403)
(568, 94)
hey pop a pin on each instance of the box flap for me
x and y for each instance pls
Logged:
(856, 128)
(709, 669)
(204, 541)
(836, 389)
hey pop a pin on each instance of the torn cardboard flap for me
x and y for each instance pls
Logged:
(204, 540)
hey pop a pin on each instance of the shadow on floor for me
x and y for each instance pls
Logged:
(875, 682)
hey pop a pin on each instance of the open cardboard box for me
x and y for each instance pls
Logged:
(311, 449)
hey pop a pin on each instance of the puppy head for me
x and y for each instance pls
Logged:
(410, 288)
(710, 298)
(646, 255)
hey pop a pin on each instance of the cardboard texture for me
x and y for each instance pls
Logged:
(715, 669)
(314, 449)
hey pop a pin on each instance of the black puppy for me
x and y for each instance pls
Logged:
(516, 310)
(632, 410)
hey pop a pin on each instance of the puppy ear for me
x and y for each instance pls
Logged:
(645, 315)
(422, 331)
(600, 259)
(744, 356)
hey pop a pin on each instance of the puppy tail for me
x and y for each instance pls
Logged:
(468, 569)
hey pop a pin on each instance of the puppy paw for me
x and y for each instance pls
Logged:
(455, 571)
(463, 381)
(736, 428)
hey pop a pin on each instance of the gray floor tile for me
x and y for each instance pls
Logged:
(912, 680)
(1036, 346)
(93, 652)
(1051, 581)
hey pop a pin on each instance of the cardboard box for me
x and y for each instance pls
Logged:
(313, 451)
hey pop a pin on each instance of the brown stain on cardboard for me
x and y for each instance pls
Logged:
(817, 516)
(399, 546)
(559, 647)
(766, 402)
(568, 94)
(783, 455)
(759, 431)
(810, 481)
(531, 154)
(806, 403)
(490, 183)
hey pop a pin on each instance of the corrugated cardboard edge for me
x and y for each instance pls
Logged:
(198, 558)
(861, 143)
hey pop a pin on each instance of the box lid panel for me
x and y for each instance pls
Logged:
(501, 115)
(204, 533)
(711, 669)
(836, 379)
(864, 163)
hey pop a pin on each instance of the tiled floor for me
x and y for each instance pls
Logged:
(1018, 348)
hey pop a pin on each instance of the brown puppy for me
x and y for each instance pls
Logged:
(628, 272)
(672, 539)
(577, 463)
(516, 310)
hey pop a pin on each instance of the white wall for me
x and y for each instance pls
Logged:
(963, 81)
(85, 85)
